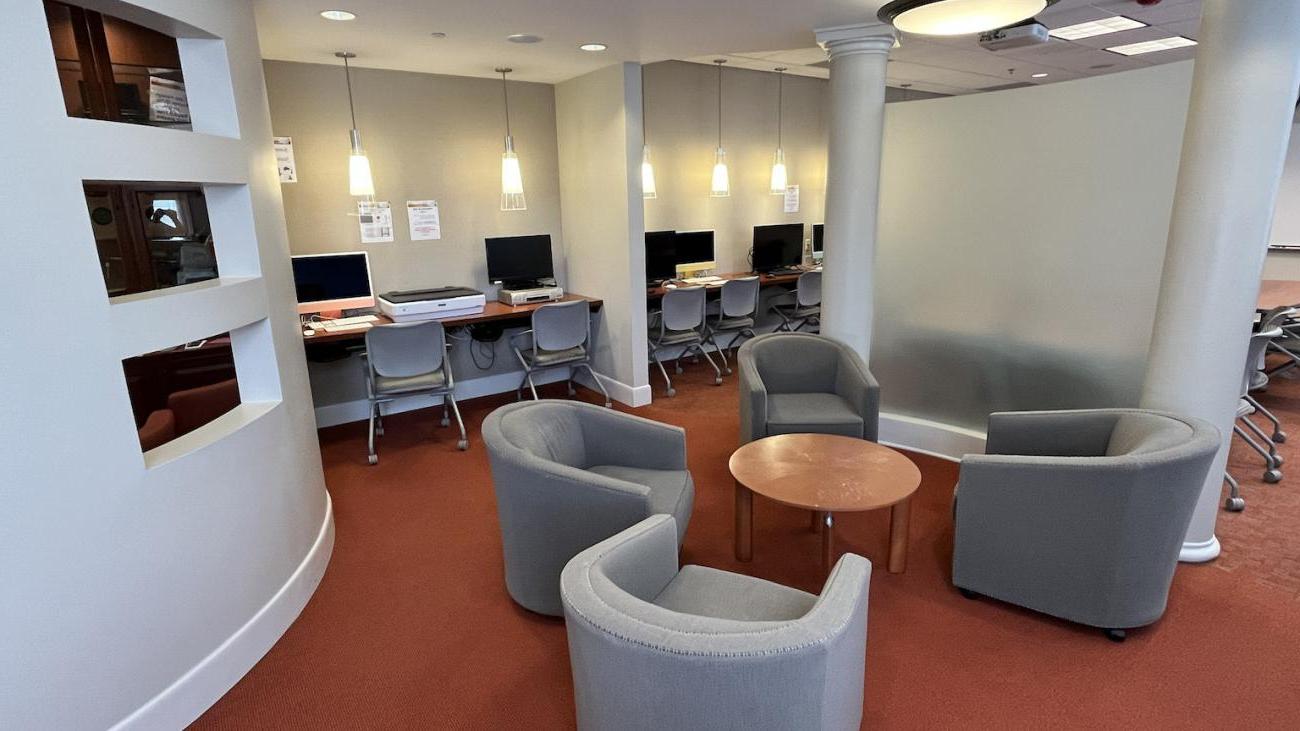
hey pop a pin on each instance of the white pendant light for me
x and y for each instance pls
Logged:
(360, 182)
(778, 160)
(512, 178)
(647, 170)
(957, 17)
(720, 186)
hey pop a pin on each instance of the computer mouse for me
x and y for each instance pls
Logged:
(670, 286)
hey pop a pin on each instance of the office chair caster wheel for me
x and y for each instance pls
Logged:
(1273, 476)
(717, 380)
(1116, 635)
(679, 370)
(728, 371)
(572, 392)
(1234, 504)
(446, 421)
(1279, 437)
(462, 445)
(672, 392)
(1277, 461)
(373, 459)
(968, 593)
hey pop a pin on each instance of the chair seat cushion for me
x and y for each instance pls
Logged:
(817, 413)
(733, 323)
(707, 592)
(671, 491)
(386, 385)
(554, 357)
(675, 337)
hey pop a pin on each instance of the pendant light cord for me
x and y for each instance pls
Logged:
(347, 73)
(719, 104)
(780, 106)
(643, 132)
(505, 94)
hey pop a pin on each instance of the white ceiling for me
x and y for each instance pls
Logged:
(396, 34)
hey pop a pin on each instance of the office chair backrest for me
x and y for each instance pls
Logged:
(562, 325)
(1276, 317)
(740, 297)
(1255, 354)
(683, 308)
(810, 289)
(406, 349)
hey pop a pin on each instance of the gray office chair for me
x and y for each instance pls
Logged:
(1080, 514)
(1248, 405)
(793, 383)
(569, 474)
(560, 338)
(802, 306)
(680, 323)
(737, 308)
(408, 359)
(655, 647)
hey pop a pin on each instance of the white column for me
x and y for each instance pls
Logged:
(858, 56)
(1238, 125)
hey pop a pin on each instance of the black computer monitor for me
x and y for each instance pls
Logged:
(778, 246)
(660, 255)
(819, 231)
(519, 259)
(328, 282)
(694, 250)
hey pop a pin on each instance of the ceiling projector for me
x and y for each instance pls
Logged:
(1029, 33)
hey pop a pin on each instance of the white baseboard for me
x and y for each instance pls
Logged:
(1200, 551)
(930, 437)
(633, 396)
(195, 691)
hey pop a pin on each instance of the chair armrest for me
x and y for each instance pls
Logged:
(1077, 433)
(855, 384)
(518, 335)
(753, 400)
(613, 437)
(639, 560)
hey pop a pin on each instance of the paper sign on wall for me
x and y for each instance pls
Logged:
(791, 199)
(376, 221)
(167, 101)
(284, 159)
(422, 218)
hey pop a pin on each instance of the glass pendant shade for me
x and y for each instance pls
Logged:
(360, 181)
(512, 180)
(721, 187)
(778, 173)
(958, 17)
(647, 175)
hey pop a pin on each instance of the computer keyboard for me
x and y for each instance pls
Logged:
(702, 280)
(783, 271)
(342, 323)
(335, 327)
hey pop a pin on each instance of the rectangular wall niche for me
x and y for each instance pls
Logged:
(150, 235)
(177, 390)
(115, 70)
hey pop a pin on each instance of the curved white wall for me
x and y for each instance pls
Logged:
(137, 589)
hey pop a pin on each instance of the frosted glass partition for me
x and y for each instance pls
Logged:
(1022, 236)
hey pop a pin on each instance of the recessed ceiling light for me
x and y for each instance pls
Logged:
(1038, 76)
(524, 38)
(438, 34)
(1095, 28)
(337, 15)
(957, 17)
(1162, 44)
(593, 47)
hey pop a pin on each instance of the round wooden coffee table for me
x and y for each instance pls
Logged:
(826, 474)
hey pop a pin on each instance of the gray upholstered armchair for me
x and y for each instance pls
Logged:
(569, 474)
(794, 383)
(653, 647)
(1080, 514)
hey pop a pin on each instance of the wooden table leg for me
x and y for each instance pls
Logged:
(899, 521)
(744, 522)
(828, 541)
(816, 523)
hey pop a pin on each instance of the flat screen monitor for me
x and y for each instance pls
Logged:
(778, 246)
(694, 251)
(330, 282)
(519, 259)
(660, 255)
(819, 231)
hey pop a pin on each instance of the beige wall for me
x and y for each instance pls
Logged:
(1286, 218)
(681, 128)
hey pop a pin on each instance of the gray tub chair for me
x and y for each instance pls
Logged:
(1080, 514)
(792, 383)
(568, 475)
(653, 647)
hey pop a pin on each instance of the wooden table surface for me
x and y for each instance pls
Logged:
(493, 311)
(764, 280)
(1278, 293)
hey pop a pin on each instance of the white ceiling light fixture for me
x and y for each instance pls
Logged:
(1039, 75)
(720, 186)
(648, 189)
(360, 182)
(524, 38)
(777, 186)
(1161, 44)
(593, 47)
(1092, 28)
(512, 178)
(957, 17)
(337, 15)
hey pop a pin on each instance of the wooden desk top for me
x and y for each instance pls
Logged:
(764, 280)
(825, 472)
(1278, 293)
(493, 311)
